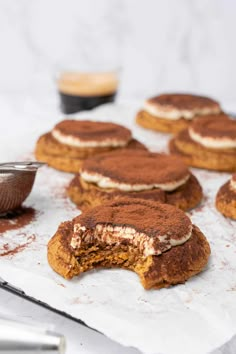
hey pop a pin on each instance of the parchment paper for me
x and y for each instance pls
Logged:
(193, 318)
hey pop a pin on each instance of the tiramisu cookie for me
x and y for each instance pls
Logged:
(157, 241)
(137, 174)
(226, 198)
(209, 143)
(83, 91)
(72, 141)
(172, 113)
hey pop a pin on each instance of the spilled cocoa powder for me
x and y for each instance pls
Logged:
(59, 192)
(5, 250)
(16, 219)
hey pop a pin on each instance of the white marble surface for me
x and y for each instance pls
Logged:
(159, 45)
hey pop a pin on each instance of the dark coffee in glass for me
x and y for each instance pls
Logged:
(84, 91)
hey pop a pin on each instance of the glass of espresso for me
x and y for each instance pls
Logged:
(81, 91)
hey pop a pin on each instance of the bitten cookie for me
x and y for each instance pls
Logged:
(226, 198)
(136, 174)
(72, 141)
(157, 241)
(172, 113)
(208, 143)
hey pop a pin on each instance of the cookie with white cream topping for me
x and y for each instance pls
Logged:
(72, 141)
(137, 174)
(208, 143)
(172, 113)
(157, 241)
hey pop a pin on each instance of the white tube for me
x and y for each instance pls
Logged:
(16, 338)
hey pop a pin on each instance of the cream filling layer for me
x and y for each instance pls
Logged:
(214, 143)
(76, 142)
(233, 184)
(107, 182)
(174, 114)
(115, 234)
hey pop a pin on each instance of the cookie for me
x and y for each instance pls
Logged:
(72, 141)
(208, 143)
(136, 174)
(226, 198)
(156, 241)
(171, 113)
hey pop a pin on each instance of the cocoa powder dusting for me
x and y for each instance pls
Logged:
(184, 101)
(215, 126)
(59, 192)
(145, 216)
(5, 250)
(87, 130)
(137, 167)
(16, 219)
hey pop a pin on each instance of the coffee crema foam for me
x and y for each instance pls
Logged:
(88, 84)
